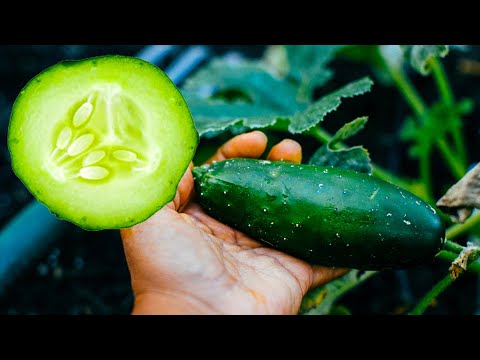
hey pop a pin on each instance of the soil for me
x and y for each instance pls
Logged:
(85, 272)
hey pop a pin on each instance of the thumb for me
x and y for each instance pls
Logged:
(184, 191)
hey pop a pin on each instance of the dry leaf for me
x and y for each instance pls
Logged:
(462, 197)
(461, 262)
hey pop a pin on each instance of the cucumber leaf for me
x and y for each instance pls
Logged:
(355, 158)
(214, 115)
(316, 112)
(250, 78)
(348, 130)
(304, 65)
(319, 301)
(419, 56)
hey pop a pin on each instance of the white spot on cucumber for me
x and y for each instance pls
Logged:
(407, 222)
(375, 192)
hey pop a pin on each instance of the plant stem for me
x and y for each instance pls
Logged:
(324, 137)
(449, 257)
(448, 99)
(425, 176)
(431, 295)
(456, 167)
(453, 247)
(442, 81)
(407, 89)
(472, 255)
(418, 106)
(460, 229)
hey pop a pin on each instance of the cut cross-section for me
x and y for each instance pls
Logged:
(102, 142)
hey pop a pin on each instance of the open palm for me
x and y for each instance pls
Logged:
(181, 260)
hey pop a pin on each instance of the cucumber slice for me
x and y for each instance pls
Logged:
(102, 142)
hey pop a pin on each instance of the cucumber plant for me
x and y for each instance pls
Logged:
(99, 127)
(230, 96)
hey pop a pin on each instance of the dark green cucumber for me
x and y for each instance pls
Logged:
(323, 215)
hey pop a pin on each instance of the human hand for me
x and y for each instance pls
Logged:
(182, 261)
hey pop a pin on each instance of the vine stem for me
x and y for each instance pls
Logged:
(443, 284)
(448, 99)
(449, 257)
(402, 82)
(460, 229)
(425, 175)
(423, 304)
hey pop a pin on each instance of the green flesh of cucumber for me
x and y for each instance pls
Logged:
(102, 142)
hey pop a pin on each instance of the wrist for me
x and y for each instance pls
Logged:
(169, 303)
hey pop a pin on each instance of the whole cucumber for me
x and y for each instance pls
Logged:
(323, 215)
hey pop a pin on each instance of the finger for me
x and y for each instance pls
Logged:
(287, 150)
(184, 190)
(249, 145)
(322, 274)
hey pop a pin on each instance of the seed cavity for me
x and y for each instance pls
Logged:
(125, 155)
(93, 173)
(64, 138)
(94, 157)
(82, 114)
(80, 145)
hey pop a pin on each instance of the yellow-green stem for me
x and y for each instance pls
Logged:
(460, 229)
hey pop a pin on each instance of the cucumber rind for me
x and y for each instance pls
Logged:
(323, 215)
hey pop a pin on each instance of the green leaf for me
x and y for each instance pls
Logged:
(319, 301)
(440, 121)
(419, 56)
(355, 158)
(305, 65)
(248, 77)
(316, 112)
(217, 115)
(348, 130)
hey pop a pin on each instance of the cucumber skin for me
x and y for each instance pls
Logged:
(352, 220)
